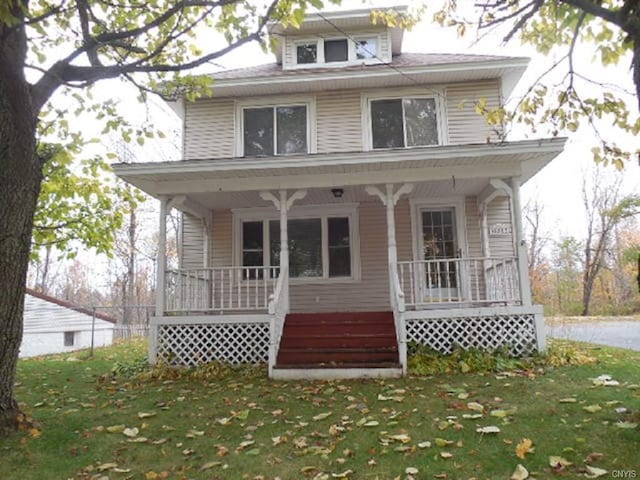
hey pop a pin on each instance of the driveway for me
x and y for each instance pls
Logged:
(621, 332)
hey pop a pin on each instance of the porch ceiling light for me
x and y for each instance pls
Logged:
(337, 192)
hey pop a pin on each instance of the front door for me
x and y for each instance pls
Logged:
(439, 246)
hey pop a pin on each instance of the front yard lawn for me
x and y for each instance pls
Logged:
(216, 424)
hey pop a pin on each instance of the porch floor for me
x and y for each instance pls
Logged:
(354, 341)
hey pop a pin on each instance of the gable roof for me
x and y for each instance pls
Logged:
(68, 305)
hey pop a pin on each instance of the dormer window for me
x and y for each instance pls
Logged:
(366, 48)
(307, 53)
(334, 52)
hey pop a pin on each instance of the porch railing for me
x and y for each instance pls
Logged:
(486, 280)
(398, 306)
(219, 289)
(278, 309)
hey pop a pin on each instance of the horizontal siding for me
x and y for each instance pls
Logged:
(339, 122)
(43, 316)
(473, 227)
(372, 291)
(210, 122)
(499, 211)
(222, 239)
(192, 242)
(209, 127)
(464, 124)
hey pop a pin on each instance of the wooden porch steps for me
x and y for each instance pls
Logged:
(357, 341)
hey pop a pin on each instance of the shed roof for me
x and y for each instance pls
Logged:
(68, 305)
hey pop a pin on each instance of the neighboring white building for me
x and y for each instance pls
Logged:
(52, 325)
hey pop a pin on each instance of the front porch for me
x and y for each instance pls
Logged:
(395, 264)
(429, 239)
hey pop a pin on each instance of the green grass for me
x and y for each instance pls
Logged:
(238, 424)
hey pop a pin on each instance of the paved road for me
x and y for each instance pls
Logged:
(615, 333)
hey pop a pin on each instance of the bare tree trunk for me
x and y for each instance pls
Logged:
(130, 282)
(20, 177)
(42, 285)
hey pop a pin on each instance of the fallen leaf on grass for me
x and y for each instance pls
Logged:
(210, 465)
(593, 472)
(525, 446)
(344, 474)
(605, 381)
(411, 471)
(146, 414)
(475, 406)
(106, 466)
(446, 455)
(322, 416)
(520, 473)
(629, 425)
(115, 428)
(558, 462)
(488, 429)
(592, 408)
(568, 400)
(131, 432)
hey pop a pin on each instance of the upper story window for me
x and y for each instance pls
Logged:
(336, 51)
(366, 48)
(275, 130)
(404, 122)
(307, 53)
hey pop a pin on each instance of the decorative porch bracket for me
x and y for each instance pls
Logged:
(389, 198)
(496, 188)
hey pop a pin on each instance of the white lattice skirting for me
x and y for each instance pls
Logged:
(188, 345)
(516, 331)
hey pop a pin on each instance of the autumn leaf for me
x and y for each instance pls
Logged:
(525, 446)
(322, 416)
(520, 473)
(488, 429)
(593, 472)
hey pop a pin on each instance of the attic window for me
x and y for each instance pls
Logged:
(366, 48)
(307, 53)
(336, 50)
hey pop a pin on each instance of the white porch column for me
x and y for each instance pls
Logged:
(283, 204)
(161, 261)
(521, 248)
(284, 241)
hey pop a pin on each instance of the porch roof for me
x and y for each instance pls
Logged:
(506, 159)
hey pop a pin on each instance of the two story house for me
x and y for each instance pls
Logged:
(342, 202)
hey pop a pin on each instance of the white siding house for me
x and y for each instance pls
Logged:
(52, 325)
(342, 202)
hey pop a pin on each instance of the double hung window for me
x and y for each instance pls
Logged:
(404, 122)
(275, 130)
(319, 247)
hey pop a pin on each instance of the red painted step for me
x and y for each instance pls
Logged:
(340, 340)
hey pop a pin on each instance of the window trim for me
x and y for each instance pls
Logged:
(324, 212)
(351, 51)
(438, 96)
(292, 101)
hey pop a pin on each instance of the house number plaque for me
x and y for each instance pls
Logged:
(500, 229)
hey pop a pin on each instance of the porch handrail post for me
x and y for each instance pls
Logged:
(521, 250)
(161, 261)
(284, 244)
